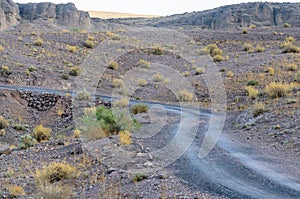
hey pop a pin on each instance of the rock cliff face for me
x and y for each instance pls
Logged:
(9, 14)
(61, 14)
(240, 15)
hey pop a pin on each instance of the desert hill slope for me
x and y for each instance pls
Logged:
(232, 16)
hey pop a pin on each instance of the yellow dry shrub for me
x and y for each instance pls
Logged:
(54, 172)
(185, 96)
(16, 191)
(125, 137)
(251, 92)
(40, 133)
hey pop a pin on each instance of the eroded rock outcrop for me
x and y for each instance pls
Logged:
(9, 14)
(240, 15)
(61, 14)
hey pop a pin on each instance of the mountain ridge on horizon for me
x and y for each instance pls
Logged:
(223, 17)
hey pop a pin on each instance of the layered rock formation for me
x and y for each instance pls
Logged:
(9, 14)
(240, 15)
(62, 14)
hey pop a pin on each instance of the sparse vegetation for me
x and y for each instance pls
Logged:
(121, 103)
(258, 109)
(245, 31)
(118, 83)
(75, 71)
(275, 90)
(3, 123)
(54, 172)
(297, 77)
(185, 96)
(230, 74)
(270, 71)
(26, 141)
(16, 191)
(215, 52)
(144, 64)
(139, 177)
(5, 71)
(83, 95)
(142, 82)
(157, 77)
(72, 49)
(38, 42)
(287, 25)
(251, 92)
(157, 51)
(40, 133)
(139, 108)
(292, 67)
(252, 82)
(199, 71)
(125, 137)
(288, 47)
(113, 65)
(186, 73)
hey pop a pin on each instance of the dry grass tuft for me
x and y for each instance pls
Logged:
(41, 133)
(185, 96)
(54, 172)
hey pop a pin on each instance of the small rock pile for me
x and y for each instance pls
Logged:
(42, 102)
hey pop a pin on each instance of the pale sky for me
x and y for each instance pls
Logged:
(153, 7)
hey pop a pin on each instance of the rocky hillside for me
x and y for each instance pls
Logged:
(232, 16)
(9, 14)
(61, 14)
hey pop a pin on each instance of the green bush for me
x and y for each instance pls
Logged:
(26, 141)
(139, 177)
(139, 108)
(115, 122)
(252, 82)
(19, 127)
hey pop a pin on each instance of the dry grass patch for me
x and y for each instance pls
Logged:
(16, 191)
(251, 92)
(185, 96)
(270, 71)
(72, 49)
(139, 108)
(258, 109)
(144, 64)
(54, 191)
(118, 83)
(40, 133)
(125, 137)
(157, 77)
(54, 172)
(142, 82)
(292, 67)
(121, 103)
(113, 65)
(3, 123)
(38, 42)
(276, 90)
